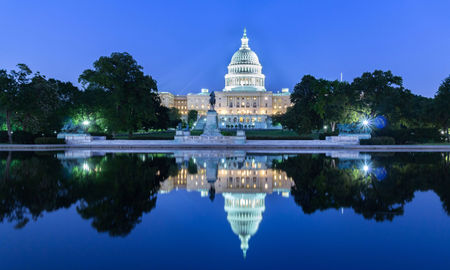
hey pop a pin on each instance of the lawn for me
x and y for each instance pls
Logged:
(270, 135)
(250, 134)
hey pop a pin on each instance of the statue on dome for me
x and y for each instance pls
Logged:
(212, 100)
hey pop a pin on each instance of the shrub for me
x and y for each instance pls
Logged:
(411, 135)
(262, 137)
(108, 136)
(378, 141)
(23, 137)
(196, 132)
(49, 140)
(4, 136)
(228, 133)
(322, 136)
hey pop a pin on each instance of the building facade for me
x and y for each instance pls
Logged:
(244, 102)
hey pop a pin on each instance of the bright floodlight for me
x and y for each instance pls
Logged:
(86, 167)
(365, 122)
(85, 122)
(366, 168)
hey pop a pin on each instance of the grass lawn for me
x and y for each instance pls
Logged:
(250, 134)
(155, 135)
(270, 135)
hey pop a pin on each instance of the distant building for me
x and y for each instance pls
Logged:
(244, 102)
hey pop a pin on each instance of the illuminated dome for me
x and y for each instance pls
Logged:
(244, 57)
(244, 215)
(244, 70)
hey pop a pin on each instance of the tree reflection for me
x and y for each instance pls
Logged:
(31, 185)
(115, 191)
(122, 189)
(320, 184)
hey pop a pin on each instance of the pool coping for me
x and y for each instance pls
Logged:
(256, 145)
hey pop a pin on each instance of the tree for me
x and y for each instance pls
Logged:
(381, 93)
(10, 86)
(318, 101)
(44, 103)
(442, 106)
(131, 101)
(192, 117)
(305, 114)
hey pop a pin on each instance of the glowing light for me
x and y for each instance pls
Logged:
(366, 168)
(365, 122)
(86, 167)
(86, 122)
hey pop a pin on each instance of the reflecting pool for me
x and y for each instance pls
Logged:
(224, 210)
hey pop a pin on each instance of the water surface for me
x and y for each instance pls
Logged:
(224, 210)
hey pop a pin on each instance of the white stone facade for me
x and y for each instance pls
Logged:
(244, 102)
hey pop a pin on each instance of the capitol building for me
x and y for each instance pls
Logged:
(244, 102)
(244, 181)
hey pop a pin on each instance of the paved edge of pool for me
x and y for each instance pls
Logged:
(249, 145)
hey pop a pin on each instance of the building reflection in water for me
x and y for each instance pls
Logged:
(242, 180)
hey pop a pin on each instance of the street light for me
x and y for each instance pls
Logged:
(86, 122)
(365, 122)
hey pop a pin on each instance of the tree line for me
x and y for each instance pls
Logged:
(116, 96)
(116, 190)
(319, 103)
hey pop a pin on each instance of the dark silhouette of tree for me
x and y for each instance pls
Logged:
(123, 190)
(320, 185)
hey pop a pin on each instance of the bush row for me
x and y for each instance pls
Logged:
(411, 136)
(261, 137)
(378, 141)
(49, 140)
(23, 137)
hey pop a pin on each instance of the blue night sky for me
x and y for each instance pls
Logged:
(187, 45)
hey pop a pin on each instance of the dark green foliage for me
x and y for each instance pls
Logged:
(411, 135)
(322, 136)
(196, 132)
(378, 141)
(319, 102)
(320, 184)
(23, 137)
(49, 140)
(228, 133)
(441, 107)
(126, 98)
(262, 137)
(3, 136)
(192, 117)
(34, 104)
(114, 192)
(157, 135)
(192, 167)
(107, 135)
